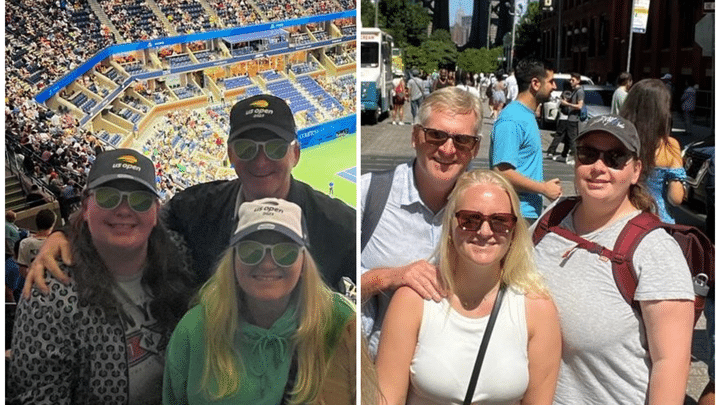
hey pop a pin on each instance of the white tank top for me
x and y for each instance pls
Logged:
(447, 347)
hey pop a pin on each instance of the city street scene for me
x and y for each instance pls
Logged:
(410, 49)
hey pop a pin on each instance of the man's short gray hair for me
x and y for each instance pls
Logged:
(452, 100)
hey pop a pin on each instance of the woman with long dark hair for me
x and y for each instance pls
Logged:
(102, 337)
(647, 106)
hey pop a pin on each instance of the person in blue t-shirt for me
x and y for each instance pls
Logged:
(515, 147)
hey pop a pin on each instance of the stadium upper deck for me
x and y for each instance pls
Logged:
(46, 39)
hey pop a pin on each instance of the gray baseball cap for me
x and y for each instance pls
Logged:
(616, 126)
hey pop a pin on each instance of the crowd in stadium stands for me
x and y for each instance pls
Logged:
(187, 16)
(178, 136)
(134, 19)
(42, 47)
(343, 89)
(234, 12)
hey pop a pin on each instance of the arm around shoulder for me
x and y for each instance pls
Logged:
(399, 336)
(544, 349)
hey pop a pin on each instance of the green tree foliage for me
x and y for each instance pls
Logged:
(405, 20)
(367, 13)
(415, 56)
(445, 54)
(479, 60)
(527, 34)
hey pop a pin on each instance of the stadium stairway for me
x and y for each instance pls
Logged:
(104, 19)
(14, 195)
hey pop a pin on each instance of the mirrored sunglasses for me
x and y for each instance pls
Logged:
(472, 221)
(438, 138)
(109, 198)
(615, 158)
(250, 252)
(247, 149)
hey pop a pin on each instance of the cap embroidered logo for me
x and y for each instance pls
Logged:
(128, 159)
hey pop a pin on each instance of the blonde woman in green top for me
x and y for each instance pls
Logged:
(266, 329)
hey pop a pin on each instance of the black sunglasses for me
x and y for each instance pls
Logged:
(437, 137)
(472, 221)
(615, 158)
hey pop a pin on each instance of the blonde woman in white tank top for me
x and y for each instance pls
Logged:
(427, 350)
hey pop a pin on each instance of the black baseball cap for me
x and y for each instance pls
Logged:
(122, 164)
(616, 126)
(262, 112)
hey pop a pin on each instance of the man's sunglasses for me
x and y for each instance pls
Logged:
(437, 137)
(247, 149)
(472, 221)
(109, 198)
(615, 158)
(250, 252)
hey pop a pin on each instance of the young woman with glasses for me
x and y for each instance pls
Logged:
(266, 329)
(102, 337)
(428, 349)
(612, 353)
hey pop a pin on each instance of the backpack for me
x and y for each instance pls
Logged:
(583, 113)
(696, 247)
(375, 200)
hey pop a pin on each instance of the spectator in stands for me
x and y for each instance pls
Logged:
(29, 247)
(243, 319)
(109, 326)
(14, 282)
(263, 148)
(12, 231)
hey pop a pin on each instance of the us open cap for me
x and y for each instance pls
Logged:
(262, 112)
(271, 214)
(616, 126)
(119, 164)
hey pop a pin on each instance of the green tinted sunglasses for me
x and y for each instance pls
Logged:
(250, 252)
(247, 149)
(109, 198)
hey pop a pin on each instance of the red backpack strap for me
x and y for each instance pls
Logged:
(625, 245)
(553, 217)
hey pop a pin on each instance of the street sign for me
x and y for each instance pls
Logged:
(640, 16)
(709, 7)
(704, 32)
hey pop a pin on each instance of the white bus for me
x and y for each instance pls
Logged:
(375, 72)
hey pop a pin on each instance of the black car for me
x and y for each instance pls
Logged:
(699, 161)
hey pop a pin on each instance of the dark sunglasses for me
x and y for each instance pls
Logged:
(437, 137)
(109, 198)
(472, 221)
(250, 252)
(247, 149)
(615, 158)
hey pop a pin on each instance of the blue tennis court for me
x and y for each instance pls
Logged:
(349, 174)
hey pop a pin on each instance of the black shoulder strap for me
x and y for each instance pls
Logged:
(377, 196)
(483, 346)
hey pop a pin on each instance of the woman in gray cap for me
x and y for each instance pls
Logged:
(615, 353)
(102, 337)
(266, 329)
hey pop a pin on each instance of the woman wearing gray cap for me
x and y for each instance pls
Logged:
(266, 329)
(102, 337)
(615, 353)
